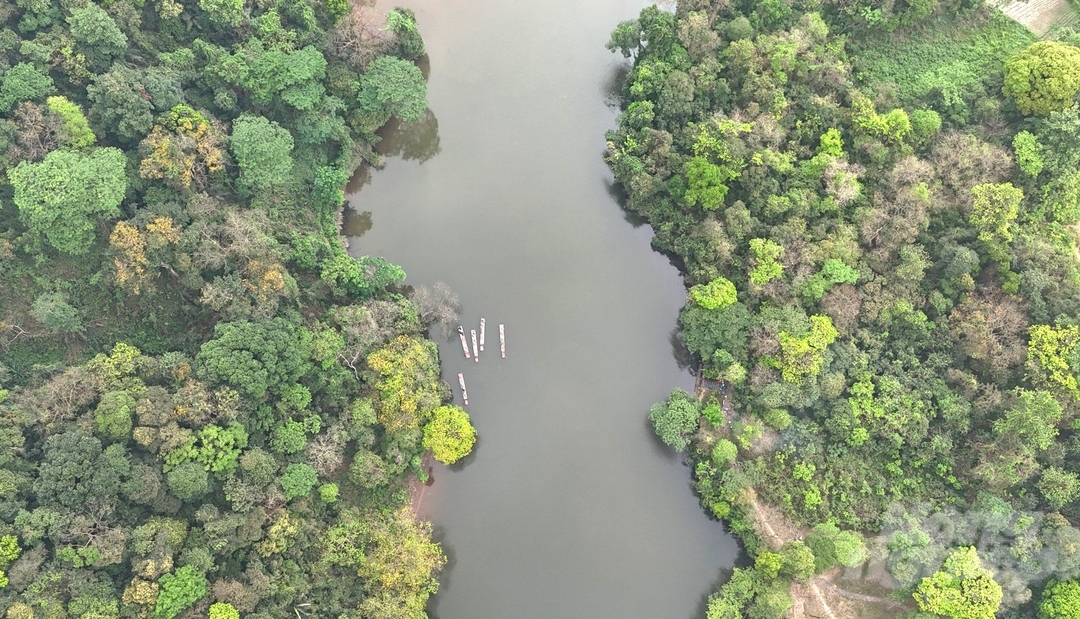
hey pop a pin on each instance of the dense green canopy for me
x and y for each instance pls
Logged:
(873, 206)
(184, 343)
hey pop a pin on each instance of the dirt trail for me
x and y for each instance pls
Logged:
(819, 597)
(859, 597)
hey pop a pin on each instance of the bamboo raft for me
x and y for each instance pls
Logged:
(502, 341)
(464, 344)
(482, 329)
(464, 391)
(475, 354)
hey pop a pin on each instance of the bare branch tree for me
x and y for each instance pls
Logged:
(438, 306)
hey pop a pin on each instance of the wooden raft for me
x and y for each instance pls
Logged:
(502, 341)
(475, 354)
(464, 391)
(464, 344)
(482, 335)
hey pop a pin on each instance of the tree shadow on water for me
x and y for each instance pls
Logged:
(612, 84)
(460, 465)
(683, 357)
(355, 224)
(660, 449)
(418, 141)
(438, 534)
(703, 606)
(619, 196)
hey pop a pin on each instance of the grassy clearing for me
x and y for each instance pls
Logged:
(946, 54)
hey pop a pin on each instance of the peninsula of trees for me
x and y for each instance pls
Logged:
(207, 407)
(875, 206)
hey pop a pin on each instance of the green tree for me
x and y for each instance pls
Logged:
(337, 9)
(995, 208)
(408, 371)
(717, 294)
(1050, 352)
(96, 32)
(802, 356)
(291, 77)
(75, 470)
(24, 82)
(188, 481)
(328, 493)
(222, 610)
(360, 278)
(225, 14)
(1043, 78)
(119, 104)
(393, 552)
(402, 22)
(263, 150)
(54, 313)
(1026, 149)
(255, 357)
(113, 415)
(768, 564)
(797, 559)
(626, 38)
(449, 435)
(179, 590)
(831, 546)
(392, 87)
(291, 436)
(675, 419)
(298, 480)
(1060, 600)
(216, 448)
(60, 197)
(1031, 422)
(961, 589)
(724, 452)
(832, 272)
(75, 129)
(767, 265)
(1058, 487)
(706, 183)
(9, 551)
(328, 190)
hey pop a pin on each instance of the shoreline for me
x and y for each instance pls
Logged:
(417, 487)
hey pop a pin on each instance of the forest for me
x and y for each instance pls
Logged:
(875, 206)
(207, 406)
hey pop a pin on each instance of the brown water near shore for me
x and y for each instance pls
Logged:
(569, 506)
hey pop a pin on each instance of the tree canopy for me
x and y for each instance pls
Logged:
(1043, 78)
(449, 435)
(62, 197)
(187, 412)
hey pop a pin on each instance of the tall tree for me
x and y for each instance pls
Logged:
(62, 197)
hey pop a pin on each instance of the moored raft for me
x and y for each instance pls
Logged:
(464, 344)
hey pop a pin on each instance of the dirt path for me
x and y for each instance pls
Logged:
(859, 597)
(1039, 16)
(819, 597)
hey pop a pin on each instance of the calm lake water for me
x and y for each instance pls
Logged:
(569, 507)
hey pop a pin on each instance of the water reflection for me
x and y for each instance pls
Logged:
(418, 141)
(361, 177)
(612, 84)
(682, 354)
(355, 224)
(619, 196)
